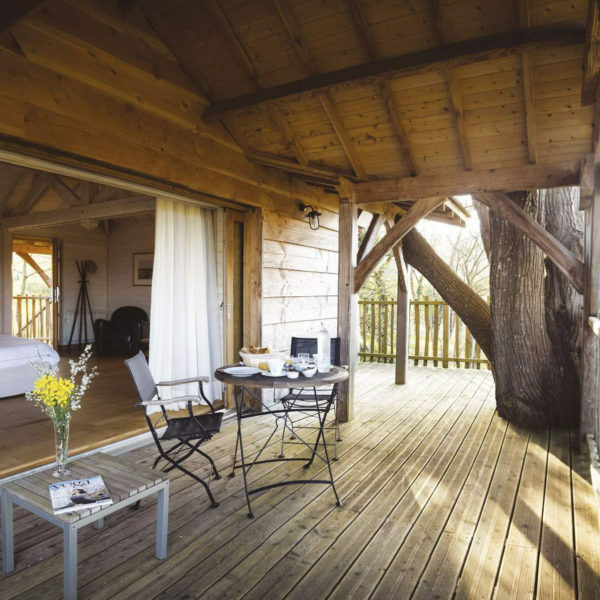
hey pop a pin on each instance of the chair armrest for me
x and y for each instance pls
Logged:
(201, 378)
(167, 401)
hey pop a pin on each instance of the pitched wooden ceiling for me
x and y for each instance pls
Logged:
(423, 87)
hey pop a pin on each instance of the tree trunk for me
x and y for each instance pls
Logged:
(564, 305)
(532, 318)
(472, 309)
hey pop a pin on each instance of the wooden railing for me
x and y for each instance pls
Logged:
(32, 317)
(437, 335)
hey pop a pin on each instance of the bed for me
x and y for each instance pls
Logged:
(16, 371)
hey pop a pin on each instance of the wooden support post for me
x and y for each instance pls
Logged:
(347, 298)
(590, 420)
(445, 341)
(5, 282)
(402, 320)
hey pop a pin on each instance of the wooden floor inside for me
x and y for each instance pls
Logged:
(441, 499)
(108, 414)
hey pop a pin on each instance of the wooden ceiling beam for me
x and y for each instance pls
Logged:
(362, 25)
(459, 113)
(439, 58)
(420, 209)
(290, 23)
(13, 11)
(468, 182)
(438, 21)
(591, 55)
(103, 210)
(565, 261)
(527, 66)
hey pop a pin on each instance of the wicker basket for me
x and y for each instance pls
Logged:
(259, 361)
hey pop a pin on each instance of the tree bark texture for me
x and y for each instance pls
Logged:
(533, 316)
(470, 307)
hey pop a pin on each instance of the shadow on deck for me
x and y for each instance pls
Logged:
(441, 499)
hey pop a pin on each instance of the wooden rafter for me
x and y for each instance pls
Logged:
(438, 21)
(459, 113)
(216, 12)
(463, 182)
(68, 196)
(566, 262)
(13, 11)
(527, 66)
(522, 8)
(591, 55)
(362, 26)
(288, 19)
(419, 210)
(342, 135)
(290, 138)
(443, 58)
(377, 221)
(33, 196)
(33, 263)
(370, 46)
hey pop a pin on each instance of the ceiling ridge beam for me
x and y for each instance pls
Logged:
(439, 58)
(420, 209)
(562, 257)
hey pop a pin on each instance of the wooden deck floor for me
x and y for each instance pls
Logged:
(441, 499)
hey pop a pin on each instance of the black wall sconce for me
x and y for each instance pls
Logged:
(313, 215)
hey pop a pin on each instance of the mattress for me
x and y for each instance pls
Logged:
(16, 357)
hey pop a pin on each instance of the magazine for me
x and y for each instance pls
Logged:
(79, 494)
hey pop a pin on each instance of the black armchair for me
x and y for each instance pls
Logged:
(121, 335)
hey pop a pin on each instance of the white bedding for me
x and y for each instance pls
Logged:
(16, 355)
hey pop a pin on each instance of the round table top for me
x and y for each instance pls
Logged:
(259, 380)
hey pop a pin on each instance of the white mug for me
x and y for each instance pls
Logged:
(276, 366)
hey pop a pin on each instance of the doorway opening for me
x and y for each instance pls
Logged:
(36, 273)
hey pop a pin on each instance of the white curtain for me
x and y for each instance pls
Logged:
(184, 323)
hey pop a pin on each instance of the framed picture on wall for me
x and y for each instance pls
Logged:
(143, 263)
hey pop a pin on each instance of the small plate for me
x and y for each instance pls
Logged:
(268, 374)
(241, 371)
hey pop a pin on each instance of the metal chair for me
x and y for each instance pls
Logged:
(308, 397)
(189, 432)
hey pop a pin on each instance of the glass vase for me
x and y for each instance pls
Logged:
(61, 443)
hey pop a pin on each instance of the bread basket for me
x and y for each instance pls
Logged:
(260, 360)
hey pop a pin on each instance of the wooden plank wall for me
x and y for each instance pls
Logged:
(299, 272)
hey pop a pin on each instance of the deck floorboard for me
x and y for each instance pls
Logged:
(441, 499)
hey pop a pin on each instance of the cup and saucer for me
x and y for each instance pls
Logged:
(275, 368)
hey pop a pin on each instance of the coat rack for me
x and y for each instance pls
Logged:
(83, 308)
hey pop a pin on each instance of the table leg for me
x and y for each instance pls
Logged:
(8, 549)
(162, 521)
(70, 562)
(239, 404)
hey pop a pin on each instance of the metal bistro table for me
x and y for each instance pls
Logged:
(244, 385)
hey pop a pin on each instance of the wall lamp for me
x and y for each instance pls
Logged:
(313, 215)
